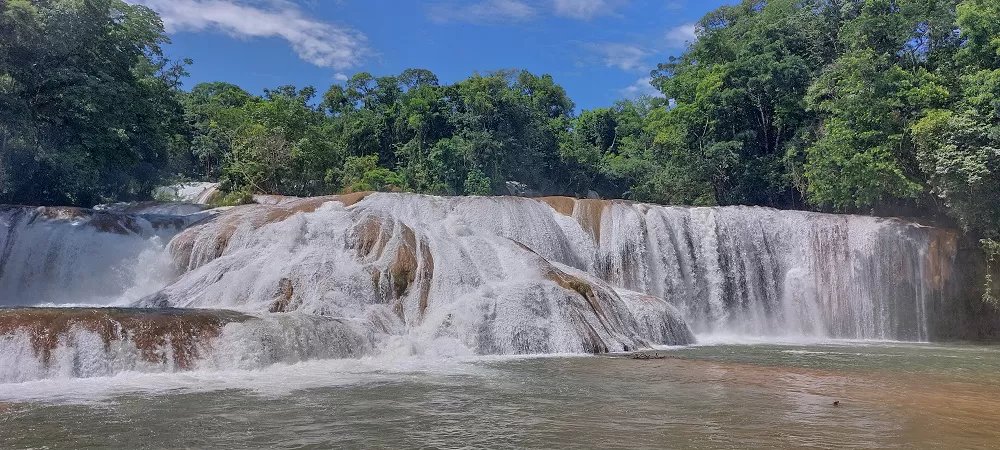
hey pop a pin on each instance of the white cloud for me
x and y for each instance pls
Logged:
(682, 35)
(341, 77)
(317, 42)
(623, 56)
(641, 88)
(485, 11)
(582, 9)
(633, 58)
(496, 11)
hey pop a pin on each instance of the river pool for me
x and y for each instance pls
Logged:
(709, 396)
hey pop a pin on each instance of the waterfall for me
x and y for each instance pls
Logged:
(51, 255)
(419, 262)
(731, 270)
(381, 273)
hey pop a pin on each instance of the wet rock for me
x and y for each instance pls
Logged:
(157, 333)
(645, 356)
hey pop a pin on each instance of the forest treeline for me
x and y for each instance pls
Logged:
(885, 106)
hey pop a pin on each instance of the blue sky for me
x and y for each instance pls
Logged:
(599, 50)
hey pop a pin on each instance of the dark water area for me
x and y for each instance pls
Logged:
(718, 396)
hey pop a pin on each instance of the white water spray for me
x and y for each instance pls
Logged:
(412, 274)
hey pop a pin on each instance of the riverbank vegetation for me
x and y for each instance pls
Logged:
(867, 106)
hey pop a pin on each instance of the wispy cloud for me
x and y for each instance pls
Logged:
(641, 88)
(623, 56)
(633, 57)
(484, 11)
(320, 43)
(500, 11)
(680, 36)
(585, 9)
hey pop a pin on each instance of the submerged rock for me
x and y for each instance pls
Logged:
(646, 356)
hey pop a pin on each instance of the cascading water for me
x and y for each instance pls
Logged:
(388, 273)
(78, 256)
(433, 276)
(732, 270)
(77, 342)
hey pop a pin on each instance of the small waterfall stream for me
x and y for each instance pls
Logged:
(366, 274)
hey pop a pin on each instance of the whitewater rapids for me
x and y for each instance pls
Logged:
(364, 274)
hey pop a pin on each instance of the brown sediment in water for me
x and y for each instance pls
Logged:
(931, 405)
(152, 331)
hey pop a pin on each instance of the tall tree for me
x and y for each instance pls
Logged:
(739, 97)
(88, 104)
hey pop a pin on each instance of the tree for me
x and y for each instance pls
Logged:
(871, 96)
(362, 173)
(88, 104)
(739, 95)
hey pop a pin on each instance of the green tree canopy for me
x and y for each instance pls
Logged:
(88, 105)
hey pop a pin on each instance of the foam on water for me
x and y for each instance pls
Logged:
(274, 380)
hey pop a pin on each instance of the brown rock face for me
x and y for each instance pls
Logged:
(939, 259)
(150, 330)
(562, 205)
(283, 299)
(588, 212)
(592, 339)
(411, 263)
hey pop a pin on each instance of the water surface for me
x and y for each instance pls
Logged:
(718, 396)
